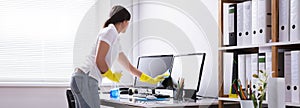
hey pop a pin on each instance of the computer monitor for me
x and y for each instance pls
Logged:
(189, 67)
(153, 66)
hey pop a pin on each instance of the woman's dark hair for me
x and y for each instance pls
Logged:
(117, 14)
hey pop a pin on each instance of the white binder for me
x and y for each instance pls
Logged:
(275, 88)
(254, 22)
(240, 24)
(242, 69)
(284, 20)
(268, 61)
(264, 21)
(295, 67)
(225, 24)
(295, 20)
(248, 67)
(287, 76)
(247, 40)
(262, 61)
(254, 70)
(227, 71)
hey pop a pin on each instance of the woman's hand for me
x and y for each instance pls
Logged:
(148, 79)
(113, 76)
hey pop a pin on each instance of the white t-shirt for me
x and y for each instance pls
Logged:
(110, 36)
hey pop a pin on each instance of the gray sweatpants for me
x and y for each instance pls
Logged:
(85, 90)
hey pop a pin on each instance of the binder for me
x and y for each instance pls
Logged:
(248, 72)
(235, 73)
(265, 62)
(232, 23)
(265, 59)
(261, 64)
(227, 71)
(248, 67)
(240, 24)
(247, 39)
(264, 21)
(284, 20)
(262, 61)
(254, 70)
(225, 24)
(295, 64)
(287, 76)
(295, 20)
(254, 23)
(242, 69)
(276, 87)
(268, 61)
(280, 64)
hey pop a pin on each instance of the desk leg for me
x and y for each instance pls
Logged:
(221, 104)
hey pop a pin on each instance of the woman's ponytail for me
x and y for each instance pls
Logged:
(107, 22)
(117, 14)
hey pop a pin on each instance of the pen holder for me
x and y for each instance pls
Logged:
(178, 94)
(246, 104)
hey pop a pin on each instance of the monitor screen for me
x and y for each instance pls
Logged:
(153, 66)
(190, 68)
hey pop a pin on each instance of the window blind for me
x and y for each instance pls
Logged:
(37, 39)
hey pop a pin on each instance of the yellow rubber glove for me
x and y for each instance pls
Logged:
(148, 79)
(115, 77)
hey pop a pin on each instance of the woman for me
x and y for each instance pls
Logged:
(86, 78)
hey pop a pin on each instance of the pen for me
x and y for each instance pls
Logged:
(241, 90)
(247, 86)
(236, 88)
(250, 89)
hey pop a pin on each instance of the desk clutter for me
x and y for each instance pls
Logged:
(146, 94)
(142, 93)
(139, 100)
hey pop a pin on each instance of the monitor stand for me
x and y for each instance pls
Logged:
(188, 93)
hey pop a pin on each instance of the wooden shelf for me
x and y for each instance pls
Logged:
(234, 100)
(292, 104)
(233, 1)
(238, 47)
(285, 43)
(264, 102)
(229, 99)
(278, 44)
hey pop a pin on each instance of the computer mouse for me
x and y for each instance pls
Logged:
(151, 97)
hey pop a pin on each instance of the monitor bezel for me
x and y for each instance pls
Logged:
(201, 67)
(152, 56)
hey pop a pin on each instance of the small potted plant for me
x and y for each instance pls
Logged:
(254, 98)
(258, 98)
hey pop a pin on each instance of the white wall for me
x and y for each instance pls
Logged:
(181, 27)
(33, 97)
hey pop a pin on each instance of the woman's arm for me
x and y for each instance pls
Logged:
(100, 58)
(143, 77)
(123, 60)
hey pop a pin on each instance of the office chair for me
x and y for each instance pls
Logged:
(71, 100)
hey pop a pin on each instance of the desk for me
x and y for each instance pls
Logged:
(127, 101)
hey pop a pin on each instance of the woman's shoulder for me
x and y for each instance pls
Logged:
(108, 31)
(108, 34)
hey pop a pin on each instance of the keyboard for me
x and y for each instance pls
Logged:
(140, 95)
(161, 96)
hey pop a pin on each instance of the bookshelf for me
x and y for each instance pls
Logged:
(275, 45)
